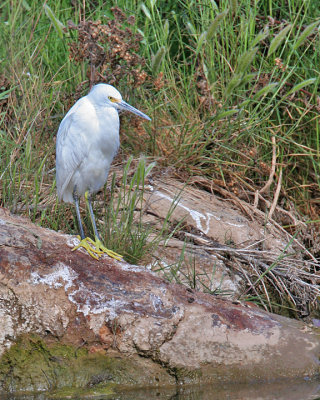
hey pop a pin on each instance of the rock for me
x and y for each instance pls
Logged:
(133, 326)
(213, 222)
(227, 243)
(214, 217)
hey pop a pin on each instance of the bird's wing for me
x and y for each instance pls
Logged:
(71, 145)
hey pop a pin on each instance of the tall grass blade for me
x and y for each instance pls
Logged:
(166, 29)
(26, 5)
(191, 28)
(5, 93)
(225, 114)
(152, 3)
(301, 85)
(215, 24)
(308, 30)
(58, 25)
(200, 42)
(28, 151)
(265, 90)
(278, 39)
(233, 6)
(248, 78)
(145, 11)
(260, 36)
(157, 59)
(235, 82)
(246, 60)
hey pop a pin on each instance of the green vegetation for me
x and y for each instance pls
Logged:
(232, 88)
(64, 371)
(32, 365)
(123, 227)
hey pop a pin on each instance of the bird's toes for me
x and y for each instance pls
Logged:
(95, 249)
(92, 251)
(109, 252)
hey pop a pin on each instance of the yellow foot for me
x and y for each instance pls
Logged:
(96, 249)
(84, 243)
(99, 246)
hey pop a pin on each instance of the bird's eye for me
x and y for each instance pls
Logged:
(112, 99)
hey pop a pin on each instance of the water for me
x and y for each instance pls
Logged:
(278, 390)
(282, 390)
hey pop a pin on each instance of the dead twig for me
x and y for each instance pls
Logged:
(276, 196)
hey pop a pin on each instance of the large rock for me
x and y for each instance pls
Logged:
(214, 217)
(212, 223)
(140, 328)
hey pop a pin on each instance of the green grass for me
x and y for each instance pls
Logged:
(123, 228)
(223, 80)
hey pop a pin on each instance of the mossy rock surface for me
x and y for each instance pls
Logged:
(33, 365)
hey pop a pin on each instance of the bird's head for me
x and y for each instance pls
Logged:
(107, 95)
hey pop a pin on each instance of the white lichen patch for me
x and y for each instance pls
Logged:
(92, 302)
(62, 276)
(156, 302)
(130, 267)
(72, 241)
(87, 301)
(202, 220)
(196, 215)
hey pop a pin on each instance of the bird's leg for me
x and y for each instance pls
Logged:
(76, 203)
(97, 243)
(83, 240)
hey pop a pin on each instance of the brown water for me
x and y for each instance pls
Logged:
(281, 390)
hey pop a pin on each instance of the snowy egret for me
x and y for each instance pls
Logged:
(87, 141)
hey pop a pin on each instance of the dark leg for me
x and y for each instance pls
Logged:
(93, 221)
(76, 203)
(83, 240)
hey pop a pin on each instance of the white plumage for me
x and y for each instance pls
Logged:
(87, 141)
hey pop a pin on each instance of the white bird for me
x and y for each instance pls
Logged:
(87, 141)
